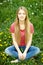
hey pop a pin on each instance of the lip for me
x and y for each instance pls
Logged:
(21, 17)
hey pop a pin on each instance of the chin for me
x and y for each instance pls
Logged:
(22, 19)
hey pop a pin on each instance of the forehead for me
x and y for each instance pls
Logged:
(21, 10)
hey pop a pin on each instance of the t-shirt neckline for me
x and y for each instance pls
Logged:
(22, 30)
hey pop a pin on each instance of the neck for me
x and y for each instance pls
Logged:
(21, 22)
(22, 25)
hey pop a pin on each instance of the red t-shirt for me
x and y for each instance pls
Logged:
(22, 32)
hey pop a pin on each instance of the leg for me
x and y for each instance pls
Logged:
(32, 52)
(11, 51)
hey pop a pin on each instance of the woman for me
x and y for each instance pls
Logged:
(22, 31)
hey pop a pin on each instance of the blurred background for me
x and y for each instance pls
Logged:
(7, 16)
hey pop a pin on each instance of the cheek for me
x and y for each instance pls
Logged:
(19, 16)
(24, 16)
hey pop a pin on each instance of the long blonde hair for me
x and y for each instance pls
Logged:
(17, 28)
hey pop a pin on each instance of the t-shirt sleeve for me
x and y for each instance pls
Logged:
(12, 28)
(31, 28)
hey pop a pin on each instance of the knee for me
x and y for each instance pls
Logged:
(6, 50)
(37, 50)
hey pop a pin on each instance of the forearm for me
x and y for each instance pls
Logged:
(28, 44)
(16, 45)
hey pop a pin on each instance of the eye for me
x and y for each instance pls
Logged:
(21, 13)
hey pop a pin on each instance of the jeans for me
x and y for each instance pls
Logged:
(32, 51)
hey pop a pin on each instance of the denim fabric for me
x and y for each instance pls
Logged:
(32, 51)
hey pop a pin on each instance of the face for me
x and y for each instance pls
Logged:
(21, 15)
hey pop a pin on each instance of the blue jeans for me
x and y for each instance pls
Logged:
(32, 51)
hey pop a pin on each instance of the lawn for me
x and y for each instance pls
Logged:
(7, 17)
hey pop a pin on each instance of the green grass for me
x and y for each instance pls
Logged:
(7, 16)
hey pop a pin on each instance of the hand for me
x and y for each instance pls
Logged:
(20, 55)
(23, 55)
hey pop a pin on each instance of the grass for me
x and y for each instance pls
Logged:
(7, 16)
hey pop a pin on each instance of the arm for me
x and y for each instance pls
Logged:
(16, 46)
(27, 47)
(28, 44)
(15, 43)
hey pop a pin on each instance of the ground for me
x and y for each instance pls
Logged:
(7, 15)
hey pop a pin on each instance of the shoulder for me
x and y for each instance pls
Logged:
(31, 28)
(12, 27)
(13, 24)
(31, 24)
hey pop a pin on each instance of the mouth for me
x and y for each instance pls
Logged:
(21, 17)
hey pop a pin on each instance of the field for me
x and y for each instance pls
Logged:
(7, 16)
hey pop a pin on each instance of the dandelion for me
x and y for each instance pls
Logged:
(42, 54)
(6, 54)
(1, 33)
(4, 41)
(22, 64)
(1, 45)
(9, 36)
(0, 39)
(6, 44)
(2, 54)
(41, 59)
(3, 58)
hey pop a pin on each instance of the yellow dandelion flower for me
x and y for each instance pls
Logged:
(4, 41)
(1, 33)
(2, 54)
(0, 39)
(7, 54)
(9, 36)
(6, 44)
(42, 54)
(41, 59)
(1, 45)
(3, 58)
